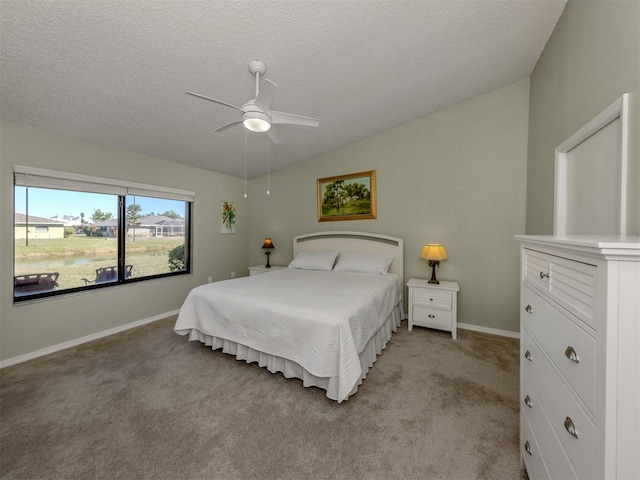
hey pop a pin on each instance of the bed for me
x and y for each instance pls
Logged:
(323, 320)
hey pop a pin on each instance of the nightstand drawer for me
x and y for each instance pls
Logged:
(431, 317)
(430, 298)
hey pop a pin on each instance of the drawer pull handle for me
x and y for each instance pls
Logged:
(544, 275)
(527, 447)
(528, 309)
(527, 402)
(571, 354)
(570, 427)
(431, 316)
(527, 355)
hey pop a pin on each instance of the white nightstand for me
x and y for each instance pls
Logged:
(433, 305)
(259, 269)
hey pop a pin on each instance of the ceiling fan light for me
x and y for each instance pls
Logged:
(256, 121)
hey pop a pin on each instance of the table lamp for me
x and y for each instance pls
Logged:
(267, 245)
(434, 253)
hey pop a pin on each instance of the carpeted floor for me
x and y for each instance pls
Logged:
(147, 403)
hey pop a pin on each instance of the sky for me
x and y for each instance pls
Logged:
(48, 203)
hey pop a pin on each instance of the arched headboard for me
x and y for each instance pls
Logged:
(353, 242)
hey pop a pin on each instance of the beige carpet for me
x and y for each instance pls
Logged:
(147, 403)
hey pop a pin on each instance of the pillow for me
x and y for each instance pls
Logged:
(314, 260)
(376, 263)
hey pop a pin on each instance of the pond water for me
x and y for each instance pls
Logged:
(53, 263)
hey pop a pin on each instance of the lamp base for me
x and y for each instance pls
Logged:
(433, 264)
(267, 253)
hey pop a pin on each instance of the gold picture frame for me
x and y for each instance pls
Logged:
(347, 197)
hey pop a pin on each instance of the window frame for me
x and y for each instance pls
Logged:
(56, 180)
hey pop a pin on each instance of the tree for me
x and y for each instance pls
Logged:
(335, 194)
(100, 216)
(133, 217)
(338, 192)
(171, 214)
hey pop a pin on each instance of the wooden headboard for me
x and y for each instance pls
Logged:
(353, 242)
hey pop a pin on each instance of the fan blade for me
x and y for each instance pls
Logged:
(273, 134)
(291, 119)
(214, 100)
(228, 125)
(265, 97)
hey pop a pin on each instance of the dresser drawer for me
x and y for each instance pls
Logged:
(559, 405)
(572, 284)
(430, 298)
(531, 454)
(556, 464)
(536, 269)
(532, 361)
(431, 317)
(572, 350)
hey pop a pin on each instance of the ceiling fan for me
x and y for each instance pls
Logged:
(257, 115)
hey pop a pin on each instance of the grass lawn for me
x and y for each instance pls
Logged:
(360, 207)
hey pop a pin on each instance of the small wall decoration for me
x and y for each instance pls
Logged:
(347, 197)
(228, 214)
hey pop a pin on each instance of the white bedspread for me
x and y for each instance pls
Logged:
(320, 320)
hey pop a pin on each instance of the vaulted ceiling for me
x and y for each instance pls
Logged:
(116, 72)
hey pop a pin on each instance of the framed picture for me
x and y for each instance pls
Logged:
(228, 217)
(347, 197)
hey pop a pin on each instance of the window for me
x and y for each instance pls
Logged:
(75, 232)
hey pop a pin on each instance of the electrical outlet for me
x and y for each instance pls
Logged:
(233, 274)
(210, 279)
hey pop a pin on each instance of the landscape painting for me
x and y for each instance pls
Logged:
(347, 197)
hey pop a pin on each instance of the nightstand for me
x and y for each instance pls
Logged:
(433, 305)
(260, 269)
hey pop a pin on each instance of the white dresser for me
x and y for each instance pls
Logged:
(580, 368)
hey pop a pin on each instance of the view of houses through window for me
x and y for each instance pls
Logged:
(72, 240)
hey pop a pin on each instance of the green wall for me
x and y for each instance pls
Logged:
(591, 59)
(30, 327)
(464, 176)
(456, 177)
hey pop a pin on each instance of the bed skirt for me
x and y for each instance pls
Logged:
(291, 369)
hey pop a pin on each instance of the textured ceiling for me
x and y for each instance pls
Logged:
(116, 72)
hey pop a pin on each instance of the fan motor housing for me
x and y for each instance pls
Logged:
(257, 66)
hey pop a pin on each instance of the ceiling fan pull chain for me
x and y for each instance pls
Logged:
(245, 163)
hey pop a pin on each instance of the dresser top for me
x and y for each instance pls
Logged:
(609, 245)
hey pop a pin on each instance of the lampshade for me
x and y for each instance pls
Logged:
(267, 243)
(256, 121)
(433, 251)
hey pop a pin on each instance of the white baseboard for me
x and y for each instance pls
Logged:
(492, 331)
(78, 341)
